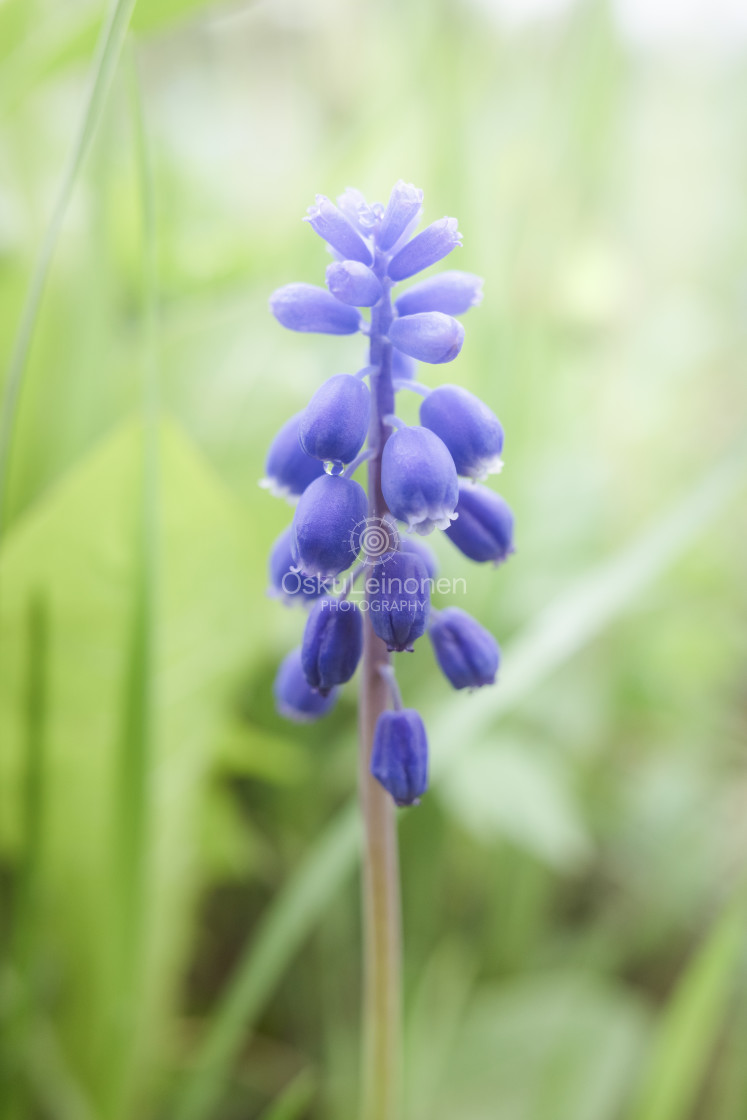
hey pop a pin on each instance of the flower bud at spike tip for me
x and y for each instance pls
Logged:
(287, 580)
(429, 336)
(404, 207)
(484, 528)
(324, 525)
(335, 421)
(357, 211)
(467, 653)
(399, 756)
(430, 246)
(399, 599)
(450, 292)
(470, 430)
(419, 480)
(288, 469)
(294, 697)
(304, 307)
(332, 225)
(332, 643)
(353, 283)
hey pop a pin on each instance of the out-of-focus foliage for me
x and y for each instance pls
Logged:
(180, 923)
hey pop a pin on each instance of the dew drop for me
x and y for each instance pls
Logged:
(333, 467)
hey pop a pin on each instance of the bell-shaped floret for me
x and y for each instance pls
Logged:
(484, 528)
(327, 524)
(332, 643)
(467, 653)
(399, 757)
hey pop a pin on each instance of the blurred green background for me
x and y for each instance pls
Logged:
(179, 930)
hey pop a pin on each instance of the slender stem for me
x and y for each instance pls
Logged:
(387, 672)
(381, 902)
(413, 386)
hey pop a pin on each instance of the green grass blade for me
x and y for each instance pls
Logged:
(567, 625)
(284, 928)
(104, 64)
(691, 1024)
(137, 741)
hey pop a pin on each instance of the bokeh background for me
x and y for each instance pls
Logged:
(178, 867)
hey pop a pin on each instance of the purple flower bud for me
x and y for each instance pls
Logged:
(325, 525)
(294, 697)
(467, 653)
(450, 292)
(287, 580)
(399, 757)
(353, 283)
(335, 421)
(332, 643)
(435, 242)
(470, 430)
(332, 225)
(404, 207)
(288, 469)
(357, 211)
(429, 336)
(421, 549)
(403, 367)
(484, 528)
(419, 480)
(399, 599)
(305, 307)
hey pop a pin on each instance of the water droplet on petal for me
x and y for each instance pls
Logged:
(333, 467)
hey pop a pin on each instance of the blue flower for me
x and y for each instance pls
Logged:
(288, 469)
(287, 580)
(332, 643)
(358, 212)
(353, 283)
(334, 424)
(484, 527)
(419, 480)
(399, 599)
(305, 307)
(399, 757)
(401, 214)
(470, 430)
(294, 697)
(325, 533)
(451, 292)
(435, 242)
(332, 225)
(429, 336)
(413, 472)
(421, 549)
(467, 653)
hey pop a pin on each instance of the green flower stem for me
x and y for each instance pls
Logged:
(382, 944)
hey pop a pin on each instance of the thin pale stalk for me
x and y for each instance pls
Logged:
(382, 1012)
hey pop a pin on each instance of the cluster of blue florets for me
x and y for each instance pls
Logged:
(429, 474)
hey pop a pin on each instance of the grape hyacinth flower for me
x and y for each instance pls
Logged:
(383, 603)
(399, 600)
(288, 469)
(332, 644)
(467, 653)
